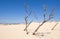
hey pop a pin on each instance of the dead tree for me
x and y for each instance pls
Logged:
(54, 26)
(45, 20)
(28, 11)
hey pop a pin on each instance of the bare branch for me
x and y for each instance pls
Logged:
(54, 26)
(51, 15)
(45, 12)
(28, 10)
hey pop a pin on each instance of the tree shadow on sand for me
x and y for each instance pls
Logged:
(42, 34)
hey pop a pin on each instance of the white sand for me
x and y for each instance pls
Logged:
(16, 31)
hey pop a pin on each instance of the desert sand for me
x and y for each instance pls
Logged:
(17, 31)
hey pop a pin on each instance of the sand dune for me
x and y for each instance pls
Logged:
(16, 31)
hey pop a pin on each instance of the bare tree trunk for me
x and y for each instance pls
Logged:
(28, 25)
(38, 28)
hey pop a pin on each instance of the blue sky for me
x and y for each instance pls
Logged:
(12, 11)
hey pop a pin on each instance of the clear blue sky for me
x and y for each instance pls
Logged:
(12, 11)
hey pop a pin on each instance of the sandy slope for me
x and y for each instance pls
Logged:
(16, 31)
